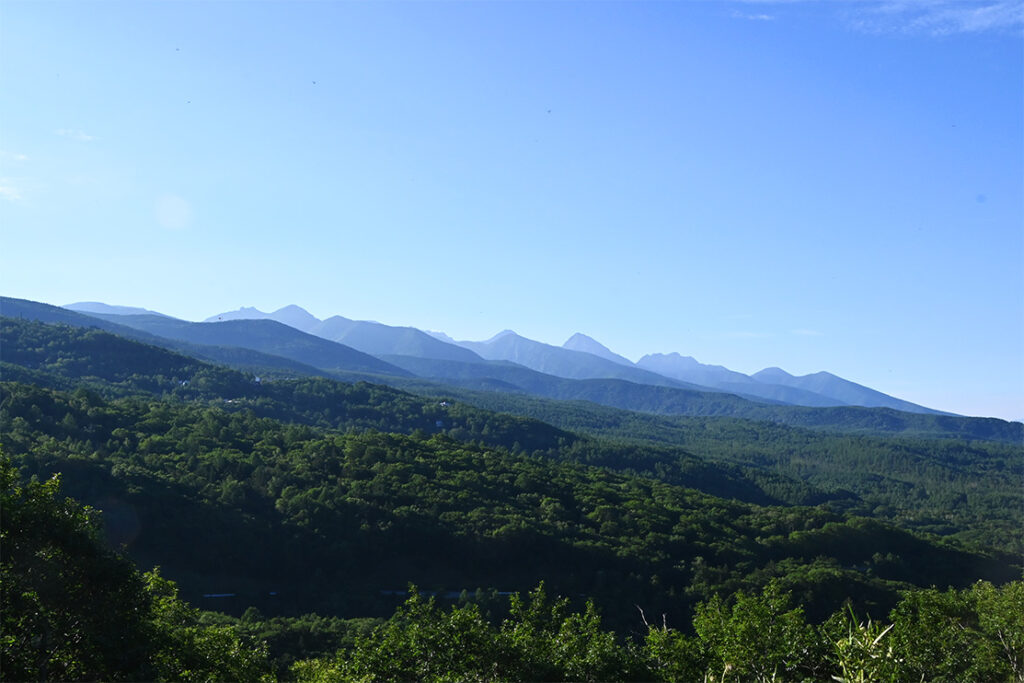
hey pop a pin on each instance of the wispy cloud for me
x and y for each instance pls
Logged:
(74, 134)
(13, 156)
(933, 17)
(753, 17)
(8, 191)
(942, 17)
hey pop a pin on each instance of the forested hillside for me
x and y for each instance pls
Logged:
(269, 499)
(967, 487)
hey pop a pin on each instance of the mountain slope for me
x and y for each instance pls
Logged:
(381, 340)
(511, 388)
(511, 377)
(369, 337)
(266, 336)
(832, 386)
(90, 307)
(291, 315)
(235, 357)
(687, 369)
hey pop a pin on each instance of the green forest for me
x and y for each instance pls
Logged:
(169, 519)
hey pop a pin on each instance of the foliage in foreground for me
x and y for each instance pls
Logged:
(71, 609)
(975, 634)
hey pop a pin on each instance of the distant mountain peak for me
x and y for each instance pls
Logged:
(771, 372)
(823, 373)
(579, 337)
(441, 336)
(675, 357)
(243, 313)
(581, 342)
(293, 308)
(291, 315)
(502, 335)
(296, 316)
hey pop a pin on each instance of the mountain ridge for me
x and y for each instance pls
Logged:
(369, 337)
(89, 307)
(774, 385)
(839, 388)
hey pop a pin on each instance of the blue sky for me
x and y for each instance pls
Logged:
(811, 185)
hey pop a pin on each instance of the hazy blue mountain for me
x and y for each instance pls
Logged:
(380, 339)
(688, 369)
(369, 337)
(236, 357)
(507, 384)
(46, 313)
(266, 336)
(335, 327)
(243, 313)
(581, 357)
(581, 342)
(777, 392)
(291, 315)
(506, 376)
(554, 360)
(827, 384)
(297, 317)
(89, 307)
(442, 336)
(507, 387)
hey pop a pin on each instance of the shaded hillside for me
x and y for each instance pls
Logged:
(940, 474)
(265, 336)
(509, 376)
(242, 358)
(229, 502)
(684, 402)
(253, 343)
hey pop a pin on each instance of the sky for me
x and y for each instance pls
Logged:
(805, 184)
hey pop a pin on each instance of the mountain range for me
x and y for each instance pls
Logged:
(362, 335)
(582, 357)
(505, 362)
